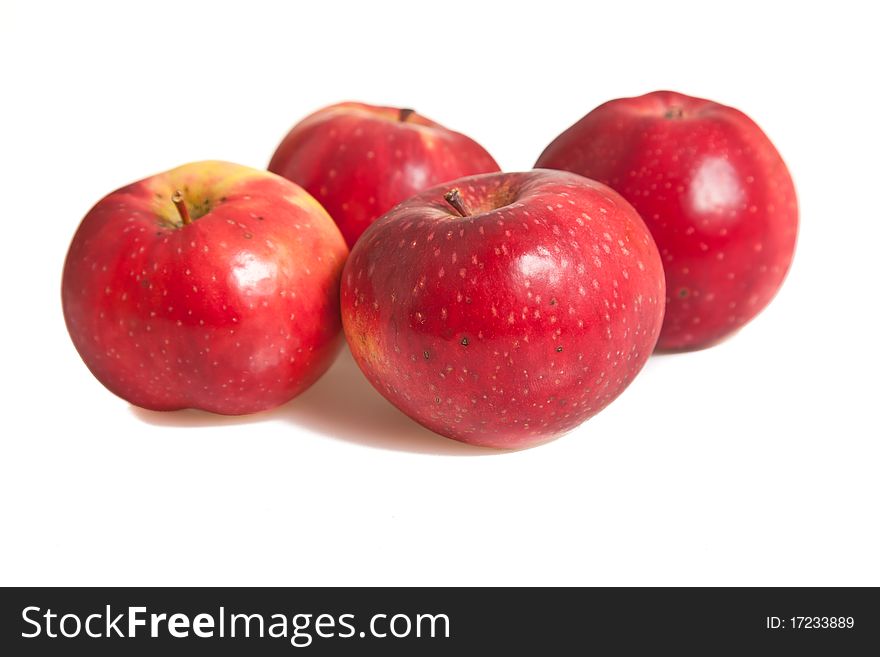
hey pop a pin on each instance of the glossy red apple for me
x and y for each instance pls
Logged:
(504, 309)
(211, 286)
(360, 160)
(713, 190)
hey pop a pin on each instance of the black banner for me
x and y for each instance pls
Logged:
(447, 621)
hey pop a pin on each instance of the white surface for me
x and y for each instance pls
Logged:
(755, 462)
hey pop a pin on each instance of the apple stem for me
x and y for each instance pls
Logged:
(453, 197)
(177, 199)
(404, 114)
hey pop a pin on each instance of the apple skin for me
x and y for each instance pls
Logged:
(715, 193)
(511, 326)
(234, 313)
(361, 160)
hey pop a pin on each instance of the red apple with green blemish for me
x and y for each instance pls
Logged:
(714, 192)
(504, 309)
(210, 286)
(361, 160)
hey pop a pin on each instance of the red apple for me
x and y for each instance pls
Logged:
(360, 160)
(504, 309)
(714, 192)
(211, 286)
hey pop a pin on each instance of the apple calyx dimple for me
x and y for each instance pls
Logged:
(404, 114)
(453, 197)
(177, 199)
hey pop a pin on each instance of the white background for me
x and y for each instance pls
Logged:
(755, 462)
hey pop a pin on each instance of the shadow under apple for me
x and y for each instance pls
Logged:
(342, 405)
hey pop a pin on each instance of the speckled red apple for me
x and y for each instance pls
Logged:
(211, 286)
(504, 309)
(361, 160)
(714, 192)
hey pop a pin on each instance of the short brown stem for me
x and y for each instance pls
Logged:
(453, 197)
(177, 199)
(404, 114)
(674, 112)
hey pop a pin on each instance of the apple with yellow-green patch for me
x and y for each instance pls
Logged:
(211, 286)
